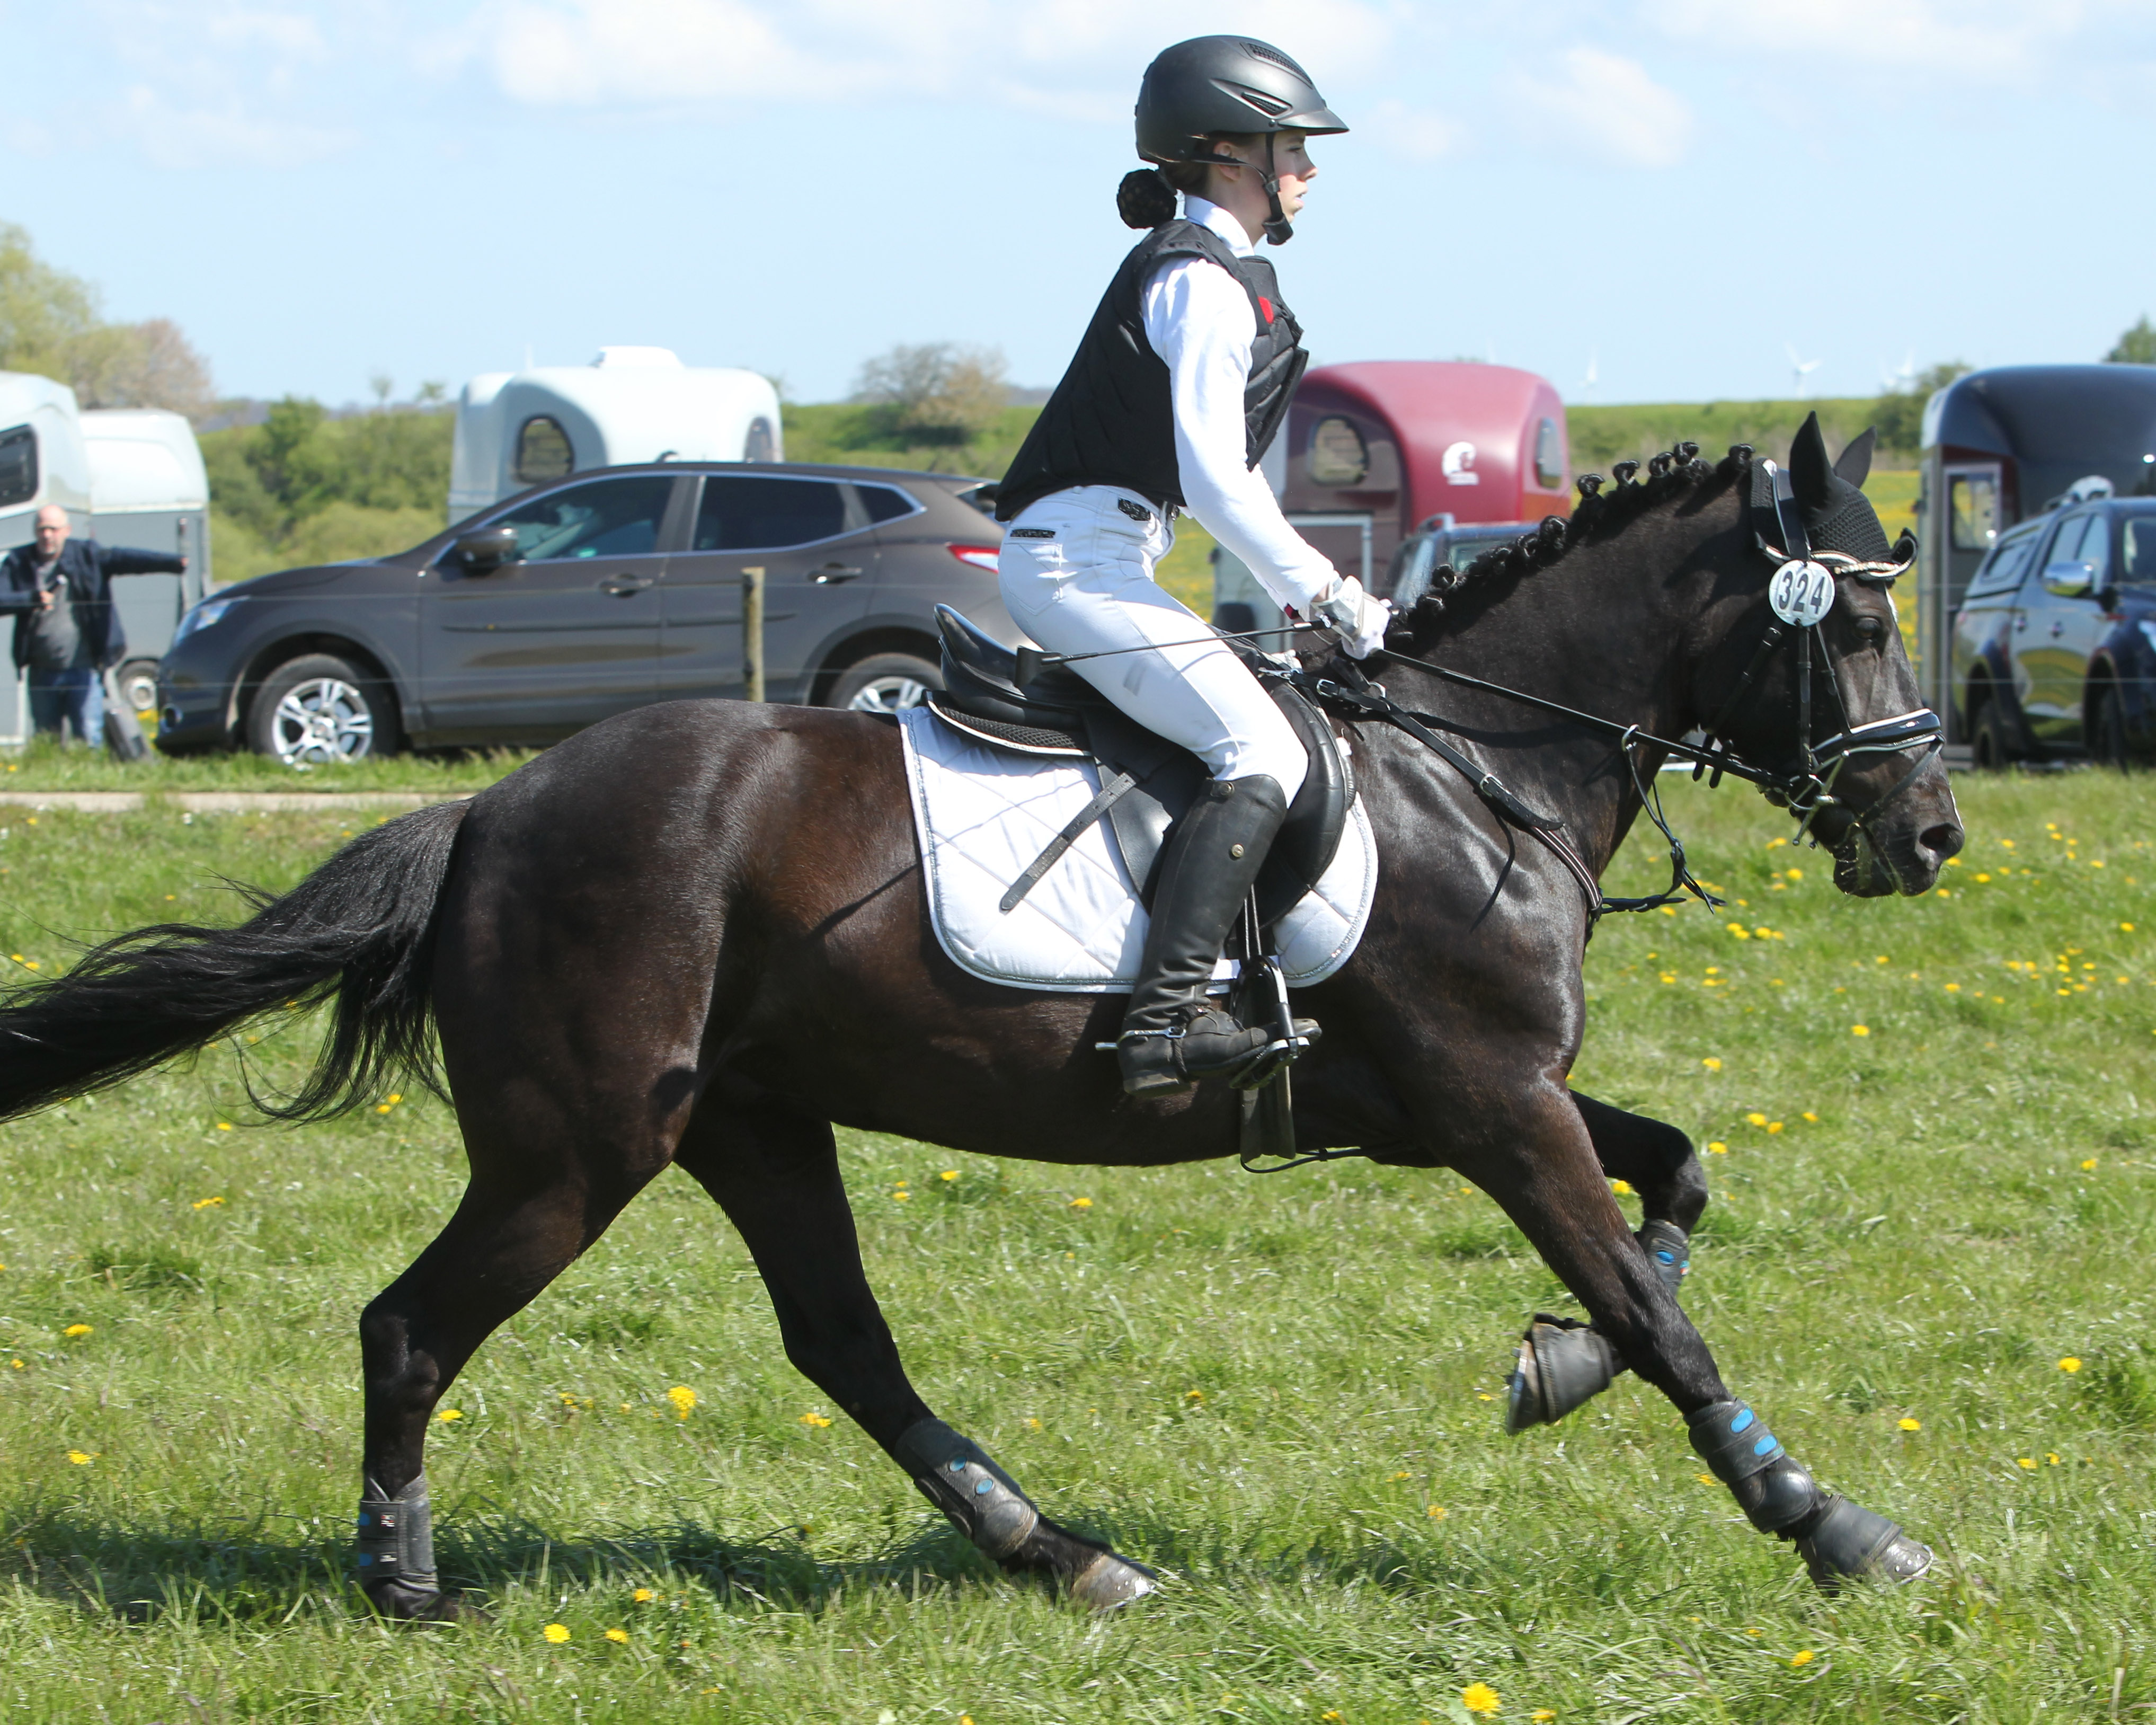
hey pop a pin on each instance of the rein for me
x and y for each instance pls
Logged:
(1801, 593)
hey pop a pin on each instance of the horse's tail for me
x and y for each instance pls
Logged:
(357, 933)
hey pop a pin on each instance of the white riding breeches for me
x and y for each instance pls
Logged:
(1076, 573)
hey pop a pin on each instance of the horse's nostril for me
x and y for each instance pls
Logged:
(1942, 841)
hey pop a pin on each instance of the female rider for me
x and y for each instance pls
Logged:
(1182, 381)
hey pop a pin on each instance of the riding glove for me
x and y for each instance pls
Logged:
(1359, 620)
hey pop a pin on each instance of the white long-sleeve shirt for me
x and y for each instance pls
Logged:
(1198, 320)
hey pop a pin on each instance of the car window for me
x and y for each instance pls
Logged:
(18, 466)
(885, 503)
(605, 518)
(2096, 548)
(760, 514)
(2003, 569)
(2137, 566)
(1973, 510)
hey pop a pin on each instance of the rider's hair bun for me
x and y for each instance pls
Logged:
(1145, 199)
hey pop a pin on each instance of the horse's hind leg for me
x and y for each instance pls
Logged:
(519, 1226)
(1539, 1161)
(776, 1174)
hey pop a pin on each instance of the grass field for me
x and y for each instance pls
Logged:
(1929, 1136)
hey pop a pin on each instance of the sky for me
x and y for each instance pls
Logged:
(1670, 200)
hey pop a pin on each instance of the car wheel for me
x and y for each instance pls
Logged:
(2107, 731)
(320, 710)
(1987, 740)
(138, 683)
(885, 683)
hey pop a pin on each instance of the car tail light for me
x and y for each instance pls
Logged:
(981, 557)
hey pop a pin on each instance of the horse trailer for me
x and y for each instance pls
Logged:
(631, 405)
(2003, 446)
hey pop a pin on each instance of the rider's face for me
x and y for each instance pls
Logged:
(1292, 165)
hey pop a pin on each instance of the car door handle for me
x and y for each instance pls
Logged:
(831, 574)
(622, 586)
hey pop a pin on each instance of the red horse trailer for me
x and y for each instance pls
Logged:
(1378, 447)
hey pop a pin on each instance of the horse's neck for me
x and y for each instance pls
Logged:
(1606, 629)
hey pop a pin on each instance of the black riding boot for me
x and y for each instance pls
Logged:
(1171, 1034)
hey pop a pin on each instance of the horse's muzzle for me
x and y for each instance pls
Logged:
(1902, 848)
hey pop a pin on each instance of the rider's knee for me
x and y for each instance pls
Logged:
(1278, 754)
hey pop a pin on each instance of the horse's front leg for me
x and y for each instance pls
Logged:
(1539, 1161)
(1658, 1162)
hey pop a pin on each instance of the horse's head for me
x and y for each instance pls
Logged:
(1860, 763)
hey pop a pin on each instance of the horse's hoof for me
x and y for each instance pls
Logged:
(1560, 1366)
(1851, 1542)
(1110, 1582)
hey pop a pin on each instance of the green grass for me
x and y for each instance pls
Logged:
(1260, 1385)
(46, 765)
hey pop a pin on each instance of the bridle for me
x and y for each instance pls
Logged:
(1800, 593)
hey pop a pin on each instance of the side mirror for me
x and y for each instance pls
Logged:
(2072, 579)
(485, 551)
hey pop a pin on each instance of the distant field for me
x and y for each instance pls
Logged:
(1930, 1137)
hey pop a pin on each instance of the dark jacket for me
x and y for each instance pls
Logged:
(89, 567)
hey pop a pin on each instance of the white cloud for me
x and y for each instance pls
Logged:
(1076, 57)
(1985, 39)
(1610, 106)
(178, 137)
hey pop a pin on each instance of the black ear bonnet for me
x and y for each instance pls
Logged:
(1837, 514)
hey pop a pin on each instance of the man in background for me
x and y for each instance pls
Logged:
(67, 632)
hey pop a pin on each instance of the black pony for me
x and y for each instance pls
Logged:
(696, 933)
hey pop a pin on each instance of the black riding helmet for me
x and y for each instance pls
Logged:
(1231, 84)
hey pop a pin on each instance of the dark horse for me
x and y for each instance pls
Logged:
(696, 933)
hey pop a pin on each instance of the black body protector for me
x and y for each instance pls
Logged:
(1112, 420)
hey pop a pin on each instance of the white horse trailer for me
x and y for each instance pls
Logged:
(519, 428)
(148, 491)
(42, 461)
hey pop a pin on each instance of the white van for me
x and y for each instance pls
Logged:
(631, 404)
(148, 491)
(42, 461)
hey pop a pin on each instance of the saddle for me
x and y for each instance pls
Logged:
(1058, 713)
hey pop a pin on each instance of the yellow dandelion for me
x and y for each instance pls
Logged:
(1704, 1479)
(1756, 1119)
(1912, 1424)
(224, 1126)
(1437, 1512)
(619, 1635)
(2070, 1363)
(2088, 1165)
(815, 1422)
(1774, 1127)
(1809, 1116)
(1034, 1425)
(1331, 1716)
(1711, 1063)
(556, 1633)
(78, 1330)
(450, 1413)
(1401, 1475)
(1541, 1714)
(2052, 1456)
(207, 1204)
(683, 1398)
(1804, 1656)
(18, 1365)
(1860, 1029)
(1479, 1699)
(643, 1596)
(949, 1173)
(1717, 1148)
(1081, 1204)
(902, 1195)
(81, 1458)
(2126, 928)
(2027, 1461)
(1623, 1189)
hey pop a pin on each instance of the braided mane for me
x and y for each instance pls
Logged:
(1599, 515)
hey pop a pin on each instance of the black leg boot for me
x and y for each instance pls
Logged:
(1173, 1035)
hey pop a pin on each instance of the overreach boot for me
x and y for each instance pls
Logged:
(1173, 1035)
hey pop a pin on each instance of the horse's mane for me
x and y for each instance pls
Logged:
(1600, 514)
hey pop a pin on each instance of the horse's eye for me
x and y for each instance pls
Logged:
(1870, 629)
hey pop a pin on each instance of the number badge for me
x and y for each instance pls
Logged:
(1801, 592)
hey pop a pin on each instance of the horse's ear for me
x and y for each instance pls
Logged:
(1854, 463)
(1810, 473)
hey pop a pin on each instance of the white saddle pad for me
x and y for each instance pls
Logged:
(982, 814)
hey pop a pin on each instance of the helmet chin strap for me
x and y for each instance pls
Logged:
(1279, 230)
